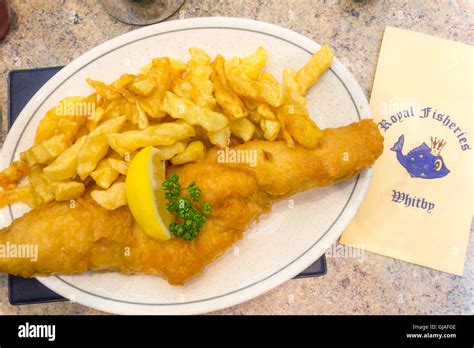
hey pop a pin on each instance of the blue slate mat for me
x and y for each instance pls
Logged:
(22, 85)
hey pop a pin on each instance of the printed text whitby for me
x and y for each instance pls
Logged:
(431, 114)
(415, 202)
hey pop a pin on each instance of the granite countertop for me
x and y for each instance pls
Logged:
(51, 33)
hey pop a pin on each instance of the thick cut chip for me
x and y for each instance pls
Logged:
(65, 165)
(161, 134)
(105, 91)
(68, 127)
(46, 151)
(199, 77)
(142, 85)
(268, 78)
(260, 91)
(310, 73)
(266, 112)
(249, 66)
(182, 88)
(96, 117)
(141, 121)
(120, 166)
(104, 175)
(254, 116)
(10, 176)
(41, 185)
(76, 109)
(167, 152)
(96, 145)
(24, 194)
(181, 108)
(242, 128)
(294, 116)
(225, 97)
(242, 77)
(220, 137)
(270, 129)
(66, 190)
(178, 68)
(195, 151)
(111, 198)
(161, 73)
(123, 81)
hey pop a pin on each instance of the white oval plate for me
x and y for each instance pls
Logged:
(285, 242)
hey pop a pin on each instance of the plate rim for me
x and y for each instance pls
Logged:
(263, 285)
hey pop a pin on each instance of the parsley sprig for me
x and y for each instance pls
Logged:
(190, 219)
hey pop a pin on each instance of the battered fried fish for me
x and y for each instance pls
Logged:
(88, 237)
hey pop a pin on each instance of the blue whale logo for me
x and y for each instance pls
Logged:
(423, 161)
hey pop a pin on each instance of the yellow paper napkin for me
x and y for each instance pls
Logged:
(419, 204)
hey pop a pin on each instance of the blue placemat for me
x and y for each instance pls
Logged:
(22, 85)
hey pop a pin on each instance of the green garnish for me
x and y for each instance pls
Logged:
(190, 219)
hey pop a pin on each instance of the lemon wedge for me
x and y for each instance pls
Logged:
(145, 195)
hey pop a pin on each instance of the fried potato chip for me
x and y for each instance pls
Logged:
(199, 57)
(220, 137)
(301, 128)
(123, 81)
(266, 112)
(76, 109)
(268, 78)
(104, 175)
(270, 129)
(105, 91)
(67, 127)
(168, 152)
(225, 97)
(96, 117)
(120, 166)
(261, 91)
(24, 194)
(67, 190)
(161, 72)
(254, 116)
(65, 165)
(178, 68)
(260, 116)
(46, 151)
(182, 88)
(131, 109)
(96, 145)
(249, 66)
(294, 116)
(242, 128)
(251, 104)
(199, 77)
(160, 134)
(47, 126)
(194, 152)
(141, 120)
(10, 176)
(142, 85)
(181, 108)
(258, 134)
(310, 73)
(111, 198)
(242, 76)
(41, 185)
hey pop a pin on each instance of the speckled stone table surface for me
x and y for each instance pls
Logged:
(48, 33)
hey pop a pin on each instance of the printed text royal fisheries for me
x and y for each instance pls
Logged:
(430, 114)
